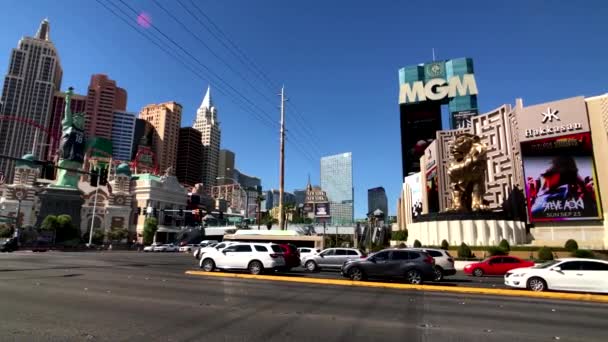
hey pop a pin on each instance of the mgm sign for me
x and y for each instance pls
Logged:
(423, 90)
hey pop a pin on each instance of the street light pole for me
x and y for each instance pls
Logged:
(282, 162)
(93, 216)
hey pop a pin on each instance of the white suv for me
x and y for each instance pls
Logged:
(444, 263)
(252, 256)
(209, 248)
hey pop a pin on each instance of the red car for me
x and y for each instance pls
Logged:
(291, 255)
(496, 265)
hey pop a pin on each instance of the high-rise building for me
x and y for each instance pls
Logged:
(123, 130)
(300, 195)
(34, 75)
(103, 99)
(190, 147)
(143, 154)
(225, 167)
(248, 182)
(77, 105)
(206, 122)
(337, 182)
(376, 199)
(166, 119)
(272, 198)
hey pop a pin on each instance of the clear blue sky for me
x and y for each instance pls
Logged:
(338, 61)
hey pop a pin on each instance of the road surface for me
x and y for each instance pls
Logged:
(120, 296)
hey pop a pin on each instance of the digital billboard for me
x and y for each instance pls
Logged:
(560, 178)
(414, 183)
(322, 210)
(423, 89)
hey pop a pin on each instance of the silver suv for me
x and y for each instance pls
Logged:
(330, 258)
(444, 262)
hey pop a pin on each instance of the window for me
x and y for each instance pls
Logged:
(259, 248)
(276, 249)
(305, 250)
(382, 256)
(340, 252)
(509, 260)
(593, 266)
(351, 252)
(400, 255)
(242, 248)
(495, 261)
(570, 266)
(435, 253)
(413, 255)
(220, 246)
(328, 252)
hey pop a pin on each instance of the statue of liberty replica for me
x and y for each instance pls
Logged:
(72, 146)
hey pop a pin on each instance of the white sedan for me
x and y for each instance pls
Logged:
(167, 247)
(570, 274)
(188, 248)
(151, 247)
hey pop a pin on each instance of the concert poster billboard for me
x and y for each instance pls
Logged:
(560, 179)
(414, 183)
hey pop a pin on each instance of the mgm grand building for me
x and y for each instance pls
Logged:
(544, 161)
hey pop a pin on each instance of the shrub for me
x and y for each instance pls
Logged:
(399, 235)
(464, 251)
(571, 245)
(492, 251)
(545, 253)
(417, 244)
(6, 231)
(583, 253)
(504, 245)
(445, 245)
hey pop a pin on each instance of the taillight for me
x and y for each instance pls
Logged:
(429, 260)
(451, 260)
(363, 256)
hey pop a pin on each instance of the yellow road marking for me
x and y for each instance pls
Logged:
(468, 290)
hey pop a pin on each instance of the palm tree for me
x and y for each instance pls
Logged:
(289, 209)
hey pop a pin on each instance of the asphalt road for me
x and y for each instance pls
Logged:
(119, 296)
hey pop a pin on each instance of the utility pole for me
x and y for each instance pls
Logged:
(282, 162)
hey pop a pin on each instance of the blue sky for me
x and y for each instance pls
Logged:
(338, 61)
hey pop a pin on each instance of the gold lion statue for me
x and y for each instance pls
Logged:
(467, 173)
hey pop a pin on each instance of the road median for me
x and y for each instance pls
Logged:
(597, 298)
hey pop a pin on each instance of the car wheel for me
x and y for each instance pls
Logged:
(478, 272)
(255, 267)
(208, 265)
(438, 274)
(413, 277)
(355, 273)
(310, 266)
(537, 284)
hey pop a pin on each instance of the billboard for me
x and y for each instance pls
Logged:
(322, 210)
(560, 178)
(414, 183)
(423, 89)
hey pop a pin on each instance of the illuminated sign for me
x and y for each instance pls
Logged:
(437, 89)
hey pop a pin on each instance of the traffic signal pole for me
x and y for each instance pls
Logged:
(93, 215)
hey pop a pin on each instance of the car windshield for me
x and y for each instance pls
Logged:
(547, 264)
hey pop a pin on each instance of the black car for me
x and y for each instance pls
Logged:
(8, 245)
(414, 266)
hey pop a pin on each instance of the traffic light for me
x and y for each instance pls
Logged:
(154, 212)
(103, 176)
(93, 177)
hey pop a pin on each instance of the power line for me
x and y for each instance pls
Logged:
(264, 96)
(198, 61)
(177, 58)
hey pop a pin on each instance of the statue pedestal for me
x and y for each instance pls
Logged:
(474, 229)
(60, 201)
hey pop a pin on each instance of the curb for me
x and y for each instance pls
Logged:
(596, 298)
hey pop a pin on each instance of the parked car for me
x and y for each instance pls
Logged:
(167, 247)
(253, 256)
(206, 243)
(9, 244)
(306, 251)
(187, 248)
(330, 258)
(444, 262)
(496, 265)
(219, 246)
(151, 247)
(291, 255)
(569, 274)
(415, 266)
(40, 246)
